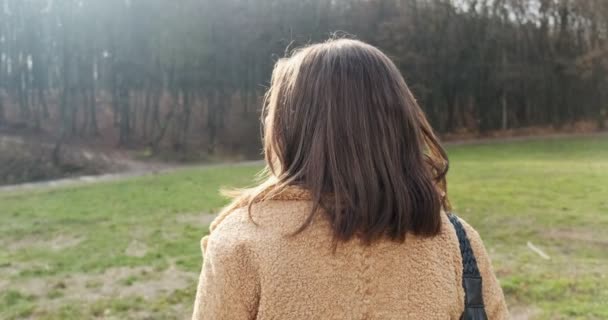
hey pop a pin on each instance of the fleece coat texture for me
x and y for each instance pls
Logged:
(256, 269)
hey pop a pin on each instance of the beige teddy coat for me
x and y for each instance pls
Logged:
(256, 270)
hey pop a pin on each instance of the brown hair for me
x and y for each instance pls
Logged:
(340, 121)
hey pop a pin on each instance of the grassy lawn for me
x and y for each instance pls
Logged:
(130, 250)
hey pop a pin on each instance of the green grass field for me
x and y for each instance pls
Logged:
(130, 249)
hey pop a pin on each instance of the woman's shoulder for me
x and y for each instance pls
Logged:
(448, 233)
(470, 231)
(251, 225)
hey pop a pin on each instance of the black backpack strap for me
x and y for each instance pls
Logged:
(471, 278)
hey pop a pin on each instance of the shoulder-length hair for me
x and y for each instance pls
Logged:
(340, 122)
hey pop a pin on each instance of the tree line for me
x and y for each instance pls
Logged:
(190, 73)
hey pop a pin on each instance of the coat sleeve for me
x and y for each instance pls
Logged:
(228, 286)
(493, 298)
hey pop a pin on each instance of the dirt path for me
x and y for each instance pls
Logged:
(525, 138)
(138, 170)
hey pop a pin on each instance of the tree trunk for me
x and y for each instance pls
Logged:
(146, 114)
(125, 113)
(43, 103)
(2, 111)
(163, 130)
(504, 110)
(212, 105)
(94, 128)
